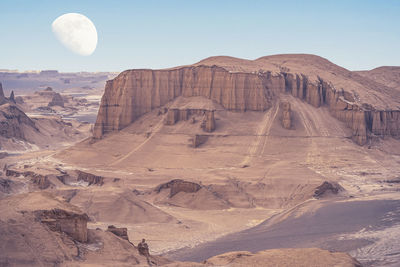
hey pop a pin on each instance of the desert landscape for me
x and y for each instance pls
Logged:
(286, 160)
(200, 133)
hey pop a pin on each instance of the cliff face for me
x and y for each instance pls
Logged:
(136, 92)
(362, 119)
(240, 88)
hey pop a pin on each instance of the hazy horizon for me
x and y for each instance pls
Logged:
(357, 35)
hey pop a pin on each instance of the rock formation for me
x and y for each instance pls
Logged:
(2, 97)
(91, 179)
(286, 117)
(208, 124)
(198, 140)
(119, 231)
(238, 85)
(57, 100)
(177, 186)
(327, 188)
(42, 181)
(172, 117)
(13, 121)
(73, 224)
(12, 97)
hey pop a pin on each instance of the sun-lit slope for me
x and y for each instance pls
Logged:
(387, 75)
(274, 166)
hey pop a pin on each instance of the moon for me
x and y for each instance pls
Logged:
(76, 32)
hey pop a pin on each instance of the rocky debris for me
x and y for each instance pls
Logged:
(13, 122)
(208, 124)
(198, 140)
(119, 231)
(57, 100)
(327, 188)
(73, 224)
(91, 179)
(177, 186)
(286, 115)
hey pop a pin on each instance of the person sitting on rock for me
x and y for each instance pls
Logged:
(143, 248)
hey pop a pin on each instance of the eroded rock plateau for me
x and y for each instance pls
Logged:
(365, 106)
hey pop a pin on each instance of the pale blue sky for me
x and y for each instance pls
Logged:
(156, 34)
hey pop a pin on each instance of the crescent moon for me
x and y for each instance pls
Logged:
(76, 32)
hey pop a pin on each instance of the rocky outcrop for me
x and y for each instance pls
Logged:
(42, 181)
(362, 119)
(13, 122)
(177, 186)
(286, 115)
(327, 188)
(136, 92)
(12, 97)
(198, 140)
(3, 99)
(91, 179)
(73, 224)
(208, 124)
(57, 100)
(172, 117)
(119, 231)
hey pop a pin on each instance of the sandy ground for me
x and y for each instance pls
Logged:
(324, 227)
(266, 170)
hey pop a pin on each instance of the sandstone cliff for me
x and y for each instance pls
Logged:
(366, 106)
(136, 92)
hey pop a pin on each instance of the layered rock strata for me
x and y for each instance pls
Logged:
(136, 92)
(90, 178)
(73, 224)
